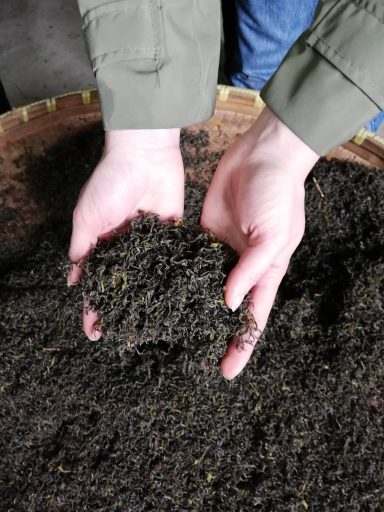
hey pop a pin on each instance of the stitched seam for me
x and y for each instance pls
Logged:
(362, 8)
(118, 50)
(97, 65)
(198, 49)
(328, 17)
(92, 9)
(157, 33)
(157, 17)
(161, 31)
(153, 30)
(124, 9)
(352, 66)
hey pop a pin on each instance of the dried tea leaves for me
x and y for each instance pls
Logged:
(84, 426)
(164, 281)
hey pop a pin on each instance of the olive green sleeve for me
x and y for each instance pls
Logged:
(155, 61)
(332, 80)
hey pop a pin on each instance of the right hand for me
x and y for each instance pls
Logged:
(139, 170)
(255, 203)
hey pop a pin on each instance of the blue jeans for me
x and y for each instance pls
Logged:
(259, 33)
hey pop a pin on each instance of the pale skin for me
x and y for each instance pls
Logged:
(255, 203)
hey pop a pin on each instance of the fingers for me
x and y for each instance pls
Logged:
(235, 359)
(74, 275)
(264, 293)
(82, 242)
(90, 322)
(251, 267)
(262, 299)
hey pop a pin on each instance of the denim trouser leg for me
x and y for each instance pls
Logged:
(374, 125)
(259, 33)
(265, 30)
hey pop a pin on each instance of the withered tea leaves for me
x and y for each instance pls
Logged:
(164, 281)
(85, 426)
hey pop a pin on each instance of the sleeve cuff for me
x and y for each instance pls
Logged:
(328, 86)
(155, 61)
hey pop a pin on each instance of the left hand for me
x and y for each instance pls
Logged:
(255, 203)
(139, 170)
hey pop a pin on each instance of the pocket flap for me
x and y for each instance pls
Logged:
(351, 37)
(125, 30)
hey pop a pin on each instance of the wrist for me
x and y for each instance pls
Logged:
(122, 140)
(273, 141)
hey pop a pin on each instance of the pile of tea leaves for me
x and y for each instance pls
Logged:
(164, 281)
(85, 426)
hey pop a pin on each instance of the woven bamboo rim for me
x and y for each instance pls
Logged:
(240, 106)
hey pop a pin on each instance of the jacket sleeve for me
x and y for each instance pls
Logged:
(155, 61)
(332, 80)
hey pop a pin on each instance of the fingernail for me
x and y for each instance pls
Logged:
(236, 302)
(69, 275)
(96, 335)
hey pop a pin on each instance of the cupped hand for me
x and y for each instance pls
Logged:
(255, 203)
(139, 170)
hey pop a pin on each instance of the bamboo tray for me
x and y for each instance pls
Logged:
(39, 125)
(31, 129)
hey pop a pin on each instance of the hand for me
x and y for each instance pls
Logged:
(255, 203)
(139, 170)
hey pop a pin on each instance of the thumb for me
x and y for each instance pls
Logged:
(252, 265)
(82, 242)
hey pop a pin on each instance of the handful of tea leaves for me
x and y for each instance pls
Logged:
(164, 282)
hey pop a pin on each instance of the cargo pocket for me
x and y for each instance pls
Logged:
(351, 36)
(126, 31)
